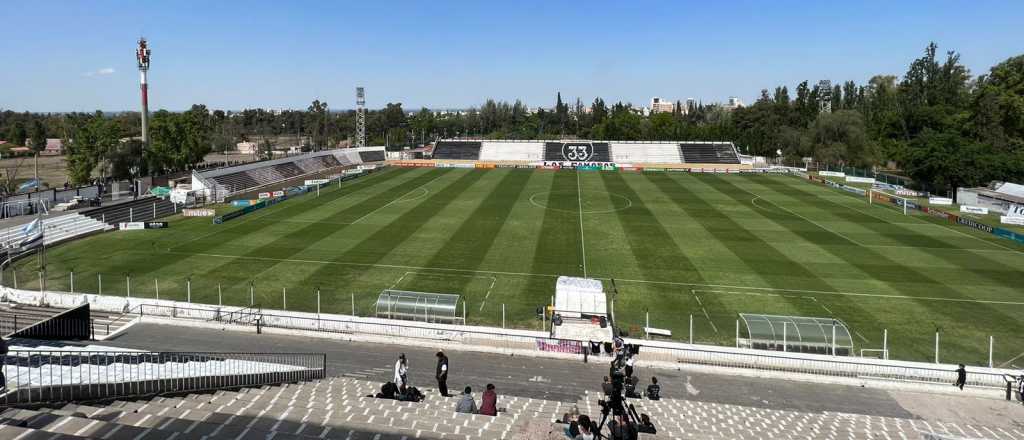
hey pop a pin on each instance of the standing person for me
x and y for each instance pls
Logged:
(489, 401)
(630, 362)
(961, 377)
(442, 374)
(401, 371)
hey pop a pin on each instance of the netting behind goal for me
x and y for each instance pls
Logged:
(901, 203)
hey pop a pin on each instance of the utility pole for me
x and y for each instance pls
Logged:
(360, 117)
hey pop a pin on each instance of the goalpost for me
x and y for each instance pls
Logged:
(886, 198)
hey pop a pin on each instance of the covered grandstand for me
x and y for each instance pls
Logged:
(223, 182)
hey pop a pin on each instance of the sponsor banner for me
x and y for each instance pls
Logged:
(1011, 220)
(940, 201)
(131, 226)
(935, 212)
(655, 170)
(856, 179)
(367, 167)
(200, 212)
(974, 224)
(559, 346)
(1015, 210)
(678, 170)
(486, 165)
(243, 203)
(832, 173)
(312, 182)
(278, 193)
(352, 172)
(1000, 232)
(263, 195)
(851, 189)
(910, 193)
(973, 209)
(157, 225)
(882, 197)
(570, 164)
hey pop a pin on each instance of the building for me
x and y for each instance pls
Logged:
(733, 103)
(659, 105)
(999, 197)
(54, 147)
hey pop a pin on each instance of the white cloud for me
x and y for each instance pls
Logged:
(101, 72)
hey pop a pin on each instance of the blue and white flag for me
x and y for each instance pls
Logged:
(28, 184)
(33, 234)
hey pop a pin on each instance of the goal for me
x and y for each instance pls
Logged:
(875, 196)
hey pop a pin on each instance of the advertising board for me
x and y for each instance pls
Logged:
(832, 173)
(973, 209)
(940, 200)
(856, 179)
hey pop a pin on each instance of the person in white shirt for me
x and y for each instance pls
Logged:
(401, 371)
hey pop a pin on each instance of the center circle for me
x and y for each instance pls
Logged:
(592, 202)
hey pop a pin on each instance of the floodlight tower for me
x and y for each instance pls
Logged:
(360, 117)
(142, 54)
(825, 96)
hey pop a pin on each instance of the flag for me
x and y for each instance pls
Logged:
(33, 234)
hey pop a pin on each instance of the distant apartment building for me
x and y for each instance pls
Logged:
(659, 105)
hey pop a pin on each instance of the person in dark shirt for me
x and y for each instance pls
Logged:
(442, 374)
(654, 390)
(607, 386)
(961, 377)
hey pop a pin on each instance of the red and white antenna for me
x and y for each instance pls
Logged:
(142, 55)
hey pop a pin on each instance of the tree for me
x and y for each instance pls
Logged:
(17, 134)
(90, 146)
(38, 136)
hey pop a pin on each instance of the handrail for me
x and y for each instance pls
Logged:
(36, 377)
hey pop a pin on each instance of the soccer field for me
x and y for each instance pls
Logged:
(676, 244)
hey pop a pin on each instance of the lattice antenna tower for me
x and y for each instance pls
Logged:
(360, 117)
(825, 96)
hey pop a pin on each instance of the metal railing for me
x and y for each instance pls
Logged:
(48, 377)
(667, 352)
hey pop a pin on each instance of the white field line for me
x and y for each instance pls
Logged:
(397, 199)
(627, 280)
(798, 215)
(399, 280)
(862, 337)
(266, 213)
(486, 296)
(1004, 364)
(705, 310)
(583, 245)
(823, 306)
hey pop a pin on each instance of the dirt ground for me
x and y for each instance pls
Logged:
(52, 169)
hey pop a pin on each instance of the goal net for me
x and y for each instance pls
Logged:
(876, 196)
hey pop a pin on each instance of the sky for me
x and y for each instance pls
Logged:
(79, 55)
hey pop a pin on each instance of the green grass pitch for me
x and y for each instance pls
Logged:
(676, 244)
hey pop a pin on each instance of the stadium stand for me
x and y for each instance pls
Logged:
(511, 151)
(646, 152)
(577, 151)
(455, 150)
(709, 152)
(222, 182)
(141, 210)
(16, 317)
(371, 156)
(55, 229)
(336, 408)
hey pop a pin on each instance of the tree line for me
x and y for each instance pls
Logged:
(938, 124)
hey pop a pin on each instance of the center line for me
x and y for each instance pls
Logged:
(583, 245)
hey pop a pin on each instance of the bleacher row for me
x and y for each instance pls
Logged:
(55, 229)
(619, 152)
(337, 408)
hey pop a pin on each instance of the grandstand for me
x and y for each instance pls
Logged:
(463, 150)
(709, 152)
(222, 182)
(721, 155)
(511, 151)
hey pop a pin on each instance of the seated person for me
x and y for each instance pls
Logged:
(631, 384)
(466, 404)
(621, 428)
(489, 401)
(654, 390)
(409, 394)
(582, 429)
(606, 386)
(646, 426)
(387, 391)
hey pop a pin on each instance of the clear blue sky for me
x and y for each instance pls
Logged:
(79, 55)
